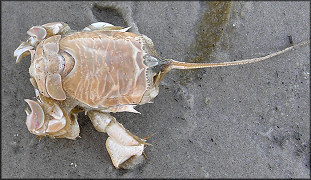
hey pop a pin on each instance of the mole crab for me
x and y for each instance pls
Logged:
(98, 70)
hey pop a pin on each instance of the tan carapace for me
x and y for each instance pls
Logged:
(99, 70)
(108, 68)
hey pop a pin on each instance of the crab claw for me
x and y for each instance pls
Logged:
(37, 31)
(35, 119)
(41, 121)
(23, 50)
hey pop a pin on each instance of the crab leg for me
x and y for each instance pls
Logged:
(105, 27)
(124, 148)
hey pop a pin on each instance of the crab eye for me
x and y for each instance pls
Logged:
(150, 61)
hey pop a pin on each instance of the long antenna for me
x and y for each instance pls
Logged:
(183, 65)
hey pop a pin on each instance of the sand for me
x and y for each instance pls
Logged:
(250, 121)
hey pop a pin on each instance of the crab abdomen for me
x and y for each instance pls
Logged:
(108, 68)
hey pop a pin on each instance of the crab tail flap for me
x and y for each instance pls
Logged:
(183, 65)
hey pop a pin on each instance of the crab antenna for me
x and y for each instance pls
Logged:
(183, 65)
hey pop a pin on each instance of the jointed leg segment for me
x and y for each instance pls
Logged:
(124, 148)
